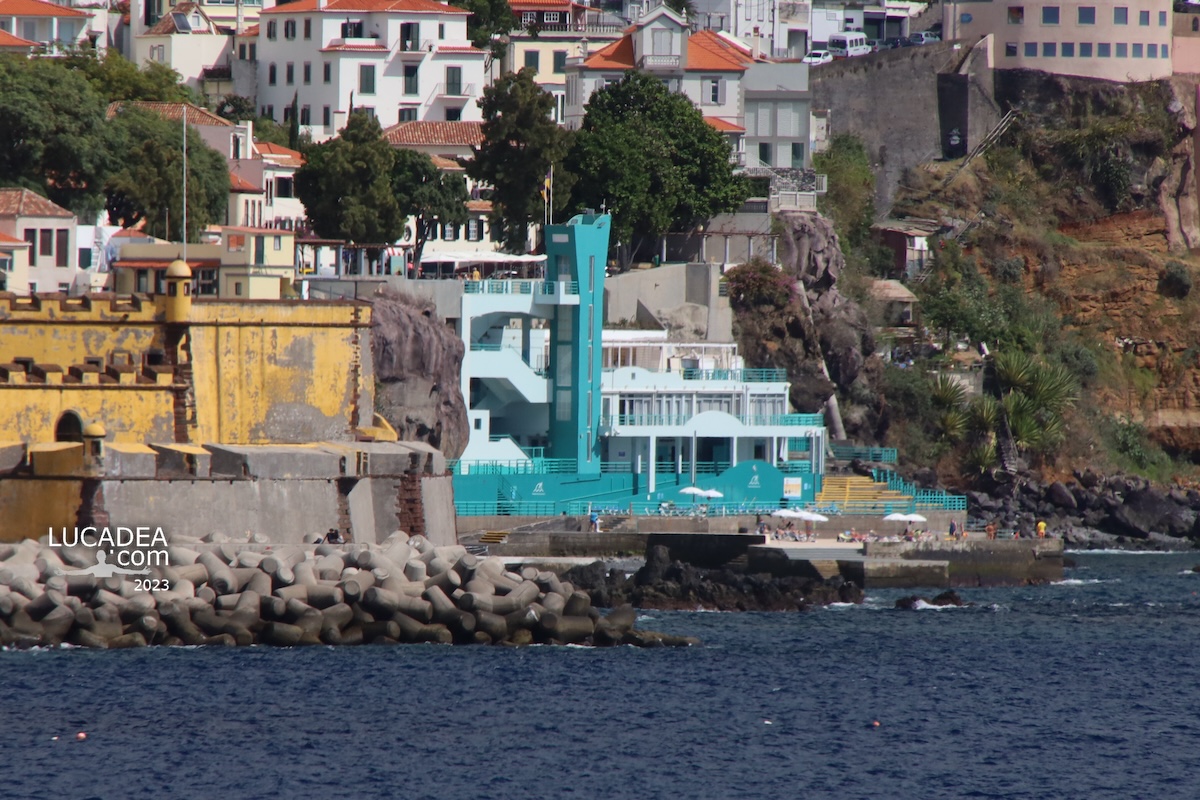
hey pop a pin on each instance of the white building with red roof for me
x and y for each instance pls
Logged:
(51, 262)
(52, 27)
(551, 31)
(400, 60)
(761, 105)
(187, 41)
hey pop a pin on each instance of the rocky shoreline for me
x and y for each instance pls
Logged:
(222, 594)
(1092, 511)
(664, 584)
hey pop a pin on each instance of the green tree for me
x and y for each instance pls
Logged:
(117, 79)
(520, 144)
(346, 185)
(489, 24)
(647, 154)
(53, 138)
(147, 180)
(425, 193)
(850, 199)
(236, 108)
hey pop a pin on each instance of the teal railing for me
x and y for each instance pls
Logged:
(516, 508)
(795, 467)
(923, 499)
(520, 287)
(532, 466)
(741, 375)
(797, 420)
(486, 347)
(882, 455)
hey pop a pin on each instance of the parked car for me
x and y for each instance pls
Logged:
(896, 41)
(924, 37)
(816, 57)
(876, 45)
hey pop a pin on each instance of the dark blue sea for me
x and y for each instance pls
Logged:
(1085, 689)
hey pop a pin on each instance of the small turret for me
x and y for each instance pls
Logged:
(179, 291)
(93, 445)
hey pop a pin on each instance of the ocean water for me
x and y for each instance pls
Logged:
(1085, 689)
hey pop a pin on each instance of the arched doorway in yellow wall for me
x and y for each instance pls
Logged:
(69, 428)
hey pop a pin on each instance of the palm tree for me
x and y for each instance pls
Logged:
(946, 392)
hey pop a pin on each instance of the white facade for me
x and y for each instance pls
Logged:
(778, 28)
(410, 62)
(185, 40)
(52, 26)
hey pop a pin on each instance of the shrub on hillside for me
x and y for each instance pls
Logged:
(757, 283)
(1175, 280)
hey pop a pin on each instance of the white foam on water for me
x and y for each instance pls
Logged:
(1118, 552)
(1188, 572)
(841, 605)
(1083, 582)
(921, 605)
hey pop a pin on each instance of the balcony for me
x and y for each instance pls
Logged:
(411, 49)
(578, 28)
(455, 90)
(660, 62)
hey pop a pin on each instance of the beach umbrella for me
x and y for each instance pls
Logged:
(692, 490)
(915, 518)
(712, 493)
(897, 517)
(811, 516)
(788, 513)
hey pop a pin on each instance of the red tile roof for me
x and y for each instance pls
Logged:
(538, 5)
(37, 8)
(24, 203)
(479, 206)
(240, 185)
(279, 154)
(460, 49)
(9, 241)
(166, 24)
(724, 126)
(251, 31)
(461, 134)
(162, 263)
(447, 164)
(342, 6)
(8, 40)
(706, 51)
(173, 112)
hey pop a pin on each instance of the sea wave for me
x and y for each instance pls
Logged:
(1083, 581)
(921, 605)
(1116, 551)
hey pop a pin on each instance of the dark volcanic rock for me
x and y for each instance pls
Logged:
(1144, 511)
(417, 366)
(1061, 496)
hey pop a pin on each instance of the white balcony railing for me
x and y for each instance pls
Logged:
(454, 90)
(660, 62)
(414, 46)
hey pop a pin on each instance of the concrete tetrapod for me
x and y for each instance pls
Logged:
(221, 594)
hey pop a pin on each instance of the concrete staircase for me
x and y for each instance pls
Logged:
(857, 490)
(494, 537)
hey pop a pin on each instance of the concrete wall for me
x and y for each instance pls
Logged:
(905, 130)
(665, 289)
(437, 498)
(976, 562)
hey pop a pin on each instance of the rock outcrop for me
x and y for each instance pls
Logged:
(417, 365)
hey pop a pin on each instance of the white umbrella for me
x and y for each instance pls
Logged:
(693, 490)
(788, 513)
(897, 517)
(811, 516)
(915, 518)
(713, 493)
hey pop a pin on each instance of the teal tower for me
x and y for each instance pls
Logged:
(575, 257)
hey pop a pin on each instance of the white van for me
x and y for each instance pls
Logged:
(848, 45)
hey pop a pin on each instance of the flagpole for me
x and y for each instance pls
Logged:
(550, 211)
(184, 236)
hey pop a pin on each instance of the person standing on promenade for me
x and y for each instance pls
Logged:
(990, 530)
(1041, 529)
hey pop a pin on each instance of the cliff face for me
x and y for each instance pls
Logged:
(417, 365)
(822, 338)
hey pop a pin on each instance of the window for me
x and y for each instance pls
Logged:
(797, 155)
(46, 244)
(1087, 15)
(236, 242)
(441, 31)
(528, 18)
(449, 233)
(551, 17)
(1137, 51)
(305, 115)
(254, 51)
(1162, 51)
(1016, 15)
(368, 110)
(278, 243)
(290, 74)
(352, 30)
(326, 116)
(1144, 18)
(764, 154)
(1120, 15)
(308, 29)
(453, 114)
(289, 29)
(1122, 50)
(283, 187)
(1068, 49)
(454, 85)
(560, 62)
(1049, 49)
(473, 232)
(407, 114)
(410, 36)
(242, 51)
(531, 59)
(62, 247)
(270, 75)
(366, 78)
(307, 73)
(1049, 15)
(1162, 19)
(1103, 50)
(270, 112)
(271, 30)
(712, 91)
(84, 258)
(1085, 49)
(1010, 49)
(287, 113)
(64, 287)
(411, 83)
(237, 288)
(1031, 49)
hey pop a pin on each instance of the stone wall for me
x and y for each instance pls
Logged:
(976, 562)
(905, 129)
